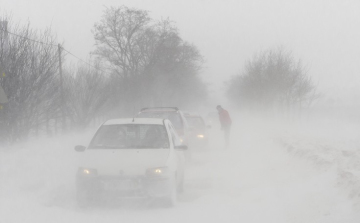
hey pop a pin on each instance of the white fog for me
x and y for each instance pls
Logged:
(85, 84)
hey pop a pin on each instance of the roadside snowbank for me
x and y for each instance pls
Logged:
(330, 146)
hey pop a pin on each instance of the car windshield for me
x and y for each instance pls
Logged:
(130, 136)
(195, 122)
(174, 117)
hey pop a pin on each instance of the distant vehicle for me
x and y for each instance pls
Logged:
(212, 118)
(129, 158)
(174, 114)
(198, 130)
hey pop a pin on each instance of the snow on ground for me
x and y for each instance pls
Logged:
(330, 146)
(271, 173)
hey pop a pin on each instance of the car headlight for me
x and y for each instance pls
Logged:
(157, 172)
(87, 172)
(200, 136)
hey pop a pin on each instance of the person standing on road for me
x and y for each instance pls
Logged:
(225, 122)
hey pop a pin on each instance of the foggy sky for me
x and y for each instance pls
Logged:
(324, 34)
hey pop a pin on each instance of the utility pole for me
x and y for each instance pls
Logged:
(3, 48)
(63, 120)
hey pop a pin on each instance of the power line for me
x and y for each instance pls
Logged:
(81, 59)
(53, 45)
(37, 41)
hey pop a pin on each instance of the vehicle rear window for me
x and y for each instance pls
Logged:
(195, 122)
(174, 117)
(131, 136)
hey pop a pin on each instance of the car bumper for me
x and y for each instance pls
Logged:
(138, 186)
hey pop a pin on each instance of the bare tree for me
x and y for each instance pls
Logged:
(152, 63)
(31, 83)
(272, 79)
(117, 39)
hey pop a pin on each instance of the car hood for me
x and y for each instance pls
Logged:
(123, 161)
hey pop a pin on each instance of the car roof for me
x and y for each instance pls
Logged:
(193, 116)
(152, 121)
(160, 109)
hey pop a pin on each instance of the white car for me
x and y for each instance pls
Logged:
(140, 157)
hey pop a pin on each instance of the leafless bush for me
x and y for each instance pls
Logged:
(30, 81)
(87, 92)
(272, 79)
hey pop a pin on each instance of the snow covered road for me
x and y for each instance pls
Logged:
(256, 180)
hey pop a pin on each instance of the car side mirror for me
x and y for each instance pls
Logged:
(181, 147)
(80, 148)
